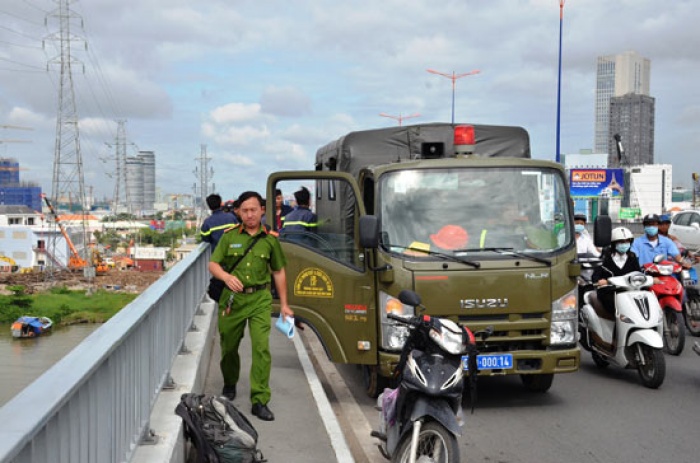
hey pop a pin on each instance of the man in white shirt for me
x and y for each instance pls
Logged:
(584, 243)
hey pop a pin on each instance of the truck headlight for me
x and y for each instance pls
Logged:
(564, 325)
(394, 334)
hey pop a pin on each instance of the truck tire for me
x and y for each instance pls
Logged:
(373, 382)
(537, 383)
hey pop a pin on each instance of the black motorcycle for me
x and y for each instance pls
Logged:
(420, 420)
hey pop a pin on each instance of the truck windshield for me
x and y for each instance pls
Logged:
(474, 210)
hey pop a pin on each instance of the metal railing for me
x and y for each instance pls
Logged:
(94, 404)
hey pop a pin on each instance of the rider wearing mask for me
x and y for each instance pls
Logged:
(652, 244)
(584, 244)
(617, 260)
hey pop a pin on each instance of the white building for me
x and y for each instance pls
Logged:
(26, 238)
(650, 187)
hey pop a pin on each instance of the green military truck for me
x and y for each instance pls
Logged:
(458, 213)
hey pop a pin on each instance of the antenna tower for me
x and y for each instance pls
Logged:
(121, 187)
(68, 182)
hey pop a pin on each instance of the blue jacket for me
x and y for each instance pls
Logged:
(300, 219)
(214, 226)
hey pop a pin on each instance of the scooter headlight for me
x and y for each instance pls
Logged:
(564, 326)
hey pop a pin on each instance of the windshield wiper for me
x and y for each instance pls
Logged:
(509, 251)
(442, 255)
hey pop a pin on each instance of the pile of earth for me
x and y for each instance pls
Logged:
(132, 281)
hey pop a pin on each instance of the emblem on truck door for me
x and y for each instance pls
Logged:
(483, 303)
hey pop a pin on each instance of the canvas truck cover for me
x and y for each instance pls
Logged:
(357, 150)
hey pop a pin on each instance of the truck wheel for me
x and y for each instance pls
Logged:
(537, 383)
(373, 382)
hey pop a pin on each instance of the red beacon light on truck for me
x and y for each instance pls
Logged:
(464, 140)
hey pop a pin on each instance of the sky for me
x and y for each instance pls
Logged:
(263, 84)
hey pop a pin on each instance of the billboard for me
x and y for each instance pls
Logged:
(594, 183)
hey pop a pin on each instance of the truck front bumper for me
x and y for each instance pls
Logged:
(526, 362)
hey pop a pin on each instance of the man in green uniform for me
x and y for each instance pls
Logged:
(247, 299)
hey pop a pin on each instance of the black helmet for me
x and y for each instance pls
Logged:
(650, 218)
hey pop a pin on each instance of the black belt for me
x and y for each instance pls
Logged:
(252, 289)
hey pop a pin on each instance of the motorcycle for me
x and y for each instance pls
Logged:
(691, 302)
(420, 420)
(669, 292)
(631, 335)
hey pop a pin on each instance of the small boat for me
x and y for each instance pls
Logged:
(30, 327)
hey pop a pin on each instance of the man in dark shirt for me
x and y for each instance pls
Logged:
(214, 225)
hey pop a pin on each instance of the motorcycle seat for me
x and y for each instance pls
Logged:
(598, 307)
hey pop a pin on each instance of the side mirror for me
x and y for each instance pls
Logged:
(602, 231)
(695, 225)
(369, 232)
(408, 297)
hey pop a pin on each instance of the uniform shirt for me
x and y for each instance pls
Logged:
(300, 219)
(254, 269)
(214, 226)
(646, 251)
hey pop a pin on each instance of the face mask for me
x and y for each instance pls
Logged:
(578, 228)
(622, 247)
(651, 230)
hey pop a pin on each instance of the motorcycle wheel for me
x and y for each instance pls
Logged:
(674, 332)
(653, 372)
(690, 323)
(435, 445)
(599, 361)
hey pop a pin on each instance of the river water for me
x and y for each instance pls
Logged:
(24, 360)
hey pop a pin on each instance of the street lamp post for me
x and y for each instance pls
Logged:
(453, 77)
(561, 24)
(399, 118)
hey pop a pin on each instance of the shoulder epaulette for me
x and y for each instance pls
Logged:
(270, 231)
(232, 228)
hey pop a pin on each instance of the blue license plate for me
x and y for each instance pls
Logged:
(490, 361)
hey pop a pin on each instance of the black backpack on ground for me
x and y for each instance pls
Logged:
(218, 430)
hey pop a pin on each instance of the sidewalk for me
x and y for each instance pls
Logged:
(305, 428)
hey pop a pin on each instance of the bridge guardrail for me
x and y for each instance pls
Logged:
(94, 404)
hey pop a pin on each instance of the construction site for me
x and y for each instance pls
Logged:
(56, 237)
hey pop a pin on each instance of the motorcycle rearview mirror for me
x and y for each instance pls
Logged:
(602, 231)
(485, 334)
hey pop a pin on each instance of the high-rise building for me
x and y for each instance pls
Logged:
(15, 192)
(141, 182)
(631, 117)
(617, 75)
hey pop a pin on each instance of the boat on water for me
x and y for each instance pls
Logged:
(30, 327)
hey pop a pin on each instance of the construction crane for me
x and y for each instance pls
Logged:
(75, 262)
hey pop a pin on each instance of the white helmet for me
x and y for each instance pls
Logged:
(621, 234)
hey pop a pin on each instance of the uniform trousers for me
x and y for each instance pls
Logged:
(253, 310)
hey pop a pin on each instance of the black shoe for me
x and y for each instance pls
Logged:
(229, 392)
(262, 412)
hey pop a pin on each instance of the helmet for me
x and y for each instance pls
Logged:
(621, 234)
(450, 237)
(650, 218)
(665, 218)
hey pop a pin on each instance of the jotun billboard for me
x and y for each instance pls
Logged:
(594, 183)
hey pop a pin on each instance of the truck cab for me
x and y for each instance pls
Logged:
(486, 239)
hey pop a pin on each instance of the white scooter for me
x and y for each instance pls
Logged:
(633, 336)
